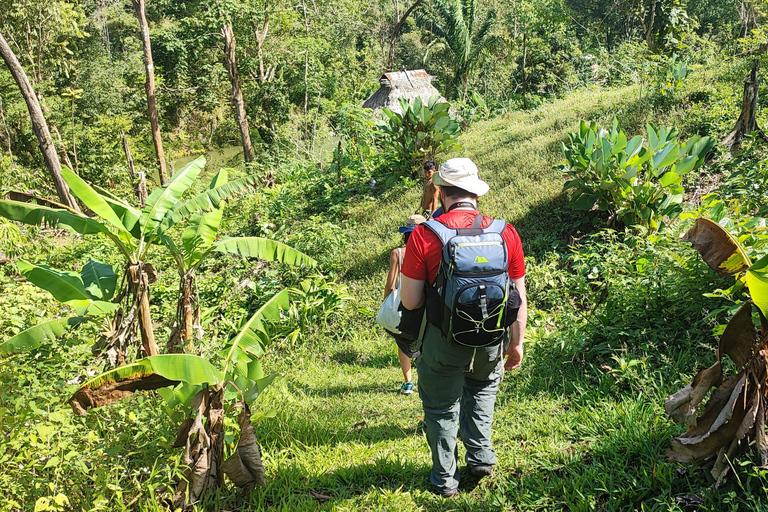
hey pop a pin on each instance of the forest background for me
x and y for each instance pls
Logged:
(622, 313)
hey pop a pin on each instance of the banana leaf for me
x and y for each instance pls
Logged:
(149, 373)
(263, 248)
(34, 337)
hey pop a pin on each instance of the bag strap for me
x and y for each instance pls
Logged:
(443, 232)
(400, 267)
(473, 230)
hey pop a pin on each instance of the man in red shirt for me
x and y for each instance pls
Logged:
(458, 384)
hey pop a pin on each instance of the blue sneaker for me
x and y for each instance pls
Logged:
(406, 388)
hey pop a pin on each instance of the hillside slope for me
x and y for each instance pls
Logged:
(343, 432)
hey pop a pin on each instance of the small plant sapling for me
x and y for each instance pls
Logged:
(206, 393)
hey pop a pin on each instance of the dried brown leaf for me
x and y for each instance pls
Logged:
(760, 435)
(709, 441)
(697, 434)
(739, 340)
(111, 392)
(722, 464)
(717, 248)
(681, 406)
(199, 454)
(245, 467)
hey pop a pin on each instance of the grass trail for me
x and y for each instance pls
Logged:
(342, 431)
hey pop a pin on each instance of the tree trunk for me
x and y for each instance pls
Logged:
(139, 287)
(149, 86)
(746, 122)
(62, 150)
(186, 314)
(230, 62)
(396, 33)
(39, 126)
(140, 179)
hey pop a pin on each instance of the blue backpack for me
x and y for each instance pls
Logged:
(472, 301)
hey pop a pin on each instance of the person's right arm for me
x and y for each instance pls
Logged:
(394, 269)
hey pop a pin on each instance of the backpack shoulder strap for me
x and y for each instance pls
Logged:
(443, 232)
(497, 226)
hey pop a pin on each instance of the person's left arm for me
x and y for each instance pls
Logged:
(517, 330)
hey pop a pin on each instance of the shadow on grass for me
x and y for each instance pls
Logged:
(361, 358)
(391, 475)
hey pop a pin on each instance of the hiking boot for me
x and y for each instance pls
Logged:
(481, 471)
(445, 493)
(406, 388)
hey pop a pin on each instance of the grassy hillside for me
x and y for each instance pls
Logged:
(565, 437)
(579, 427)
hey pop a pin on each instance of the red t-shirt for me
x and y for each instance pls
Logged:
(424, 249)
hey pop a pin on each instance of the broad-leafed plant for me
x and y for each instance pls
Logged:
(132, 231)
(420, 131)
(635, 184)
(198, 242)
(89, 292)
(205, 393)
(735, 414)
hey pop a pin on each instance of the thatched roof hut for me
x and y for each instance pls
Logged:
(402, 84)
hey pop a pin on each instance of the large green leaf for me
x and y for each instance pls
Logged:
(65, 286)
(99, 279)
(263, 248)
(36, 215)
(129, 215)
(187, 368)
(203, 227)
(163, 199)
(91, 198)
(152, 372)
(34, 337)
(247, 339)
(206, 201)
(667, 156)
(757, 282)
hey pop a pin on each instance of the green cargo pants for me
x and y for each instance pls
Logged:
(457, 386)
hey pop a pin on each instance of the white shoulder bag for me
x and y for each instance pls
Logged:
(389, 313)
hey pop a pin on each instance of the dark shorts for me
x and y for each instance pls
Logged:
(408, 347)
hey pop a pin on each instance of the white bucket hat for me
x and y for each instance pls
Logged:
(462, 173)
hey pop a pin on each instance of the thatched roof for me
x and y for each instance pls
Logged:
(402, 84)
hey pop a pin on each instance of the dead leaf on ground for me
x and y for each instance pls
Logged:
(320, 496)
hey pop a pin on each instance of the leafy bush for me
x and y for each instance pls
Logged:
(421, 131)
(633, 184)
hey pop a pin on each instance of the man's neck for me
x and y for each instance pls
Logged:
(468, 204)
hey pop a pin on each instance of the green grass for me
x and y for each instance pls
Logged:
(569, 434)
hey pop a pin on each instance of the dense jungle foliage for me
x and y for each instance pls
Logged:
(242, 289)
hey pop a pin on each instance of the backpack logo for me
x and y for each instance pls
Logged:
(481, 259)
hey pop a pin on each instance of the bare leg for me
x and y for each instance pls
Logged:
(405, 364)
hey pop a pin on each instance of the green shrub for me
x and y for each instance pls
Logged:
(633, 184)
(421, 131)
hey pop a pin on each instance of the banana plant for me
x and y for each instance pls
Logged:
(132, 231)
(205, 393)
(735, 414)
(198, 242)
